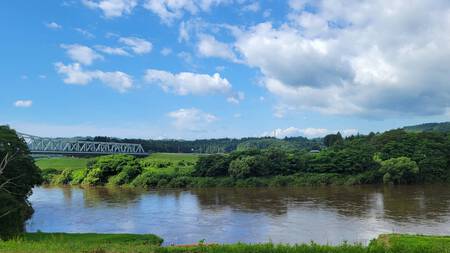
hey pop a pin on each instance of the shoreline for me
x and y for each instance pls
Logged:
(127, 243)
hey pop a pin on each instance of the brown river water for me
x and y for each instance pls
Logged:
(326, 215)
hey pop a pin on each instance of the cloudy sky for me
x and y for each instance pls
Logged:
(223, 68)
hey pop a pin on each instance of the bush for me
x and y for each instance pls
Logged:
(126, 176)
(64, 178)
(94, 177)
(401, 170)
(180, 182)
(49, 174)
(151, 179)
(211, 166)
(78, 176)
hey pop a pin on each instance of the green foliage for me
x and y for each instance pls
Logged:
(429, 127)
(127, 243)
(16, 182)
(333, 139)
(78, 176)
(400, 170)
(212, 166)
(353, 160)
(64, 178)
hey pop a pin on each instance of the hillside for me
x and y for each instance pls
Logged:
(429, 127)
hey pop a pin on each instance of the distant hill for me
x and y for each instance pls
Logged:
(429, 127)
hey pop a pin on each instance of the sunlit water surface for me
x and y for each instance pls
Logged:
(289, 215)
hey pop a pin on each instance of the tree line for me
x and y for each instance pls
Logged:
(212, 146)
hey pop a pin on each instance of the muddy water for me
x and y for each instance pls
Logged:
(289, 215)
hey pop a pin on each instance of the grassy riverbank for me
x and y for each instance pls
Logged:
(126, 243)
(167, 170)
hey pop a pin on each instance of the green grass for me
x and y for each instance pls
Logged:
(414, 243)
(62, 163)
(175, 157)
(128, 243)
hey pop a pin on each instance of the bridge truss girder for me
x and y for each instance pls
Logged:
(39, 145)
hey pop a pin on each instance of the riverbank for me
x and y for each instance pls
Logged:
(127, 243)
(166, 170)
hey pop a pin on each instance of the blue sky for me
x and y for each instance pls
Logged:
(222, 68)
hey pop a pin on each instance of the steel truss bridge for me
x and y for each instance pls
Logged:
(72, 146)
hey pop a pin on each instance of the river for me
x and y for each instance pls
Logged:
(287, 215)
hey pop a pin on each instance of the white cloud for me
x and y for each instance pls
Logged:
(81, 54)
(112, 8)
(365, 58)
(166, 51)
(185, 83)
(191, 119)
(23, 103)
(236, 98)
(254, 7)
(74, 74)
(137, 45)
(309, 132)
(112, 50)
(208, 46)
(170, 10)
(53, 25)
(85, 33)
(183, 33)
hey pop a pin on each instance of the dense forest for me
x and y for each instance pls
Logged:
(429, 127)
(224, 145)
(392, 157)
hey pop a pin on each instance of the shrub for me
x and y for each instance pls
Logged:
(94, 177)
(78, 176)
(126, 176)
(49, 174)
(64, 178)
(180, 182)
(399, 170)
(211, 166)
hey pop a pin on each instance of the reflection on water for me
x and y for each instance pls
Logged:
(290, 215)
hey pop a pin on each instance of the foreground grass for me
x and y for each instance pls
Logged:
(126, 243)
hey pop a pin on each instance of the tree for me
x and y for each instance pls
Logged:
(333, 139)
(211, 166)
(18, 175)
(400, 170)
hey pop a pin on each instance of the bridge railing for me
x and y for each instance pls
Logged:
(40, 145)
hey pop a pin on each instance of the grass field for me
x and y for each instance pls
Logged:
(127, 243)
(62, 163)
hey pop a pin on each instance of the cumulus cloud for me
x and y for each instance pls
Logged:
(112, 8)
(169, 10)
(208, 46)
(191, 119)
(366, 58)
(309, 132)
(74, 74)
(185, 83)
(112, 50)
(23, 103)
(137, 45)
(81, 54)
(53, 25)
